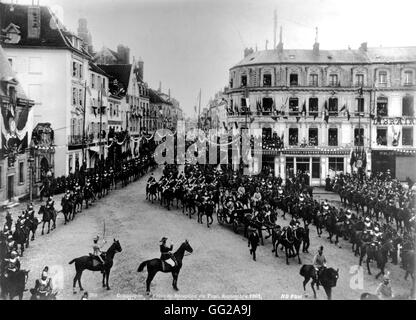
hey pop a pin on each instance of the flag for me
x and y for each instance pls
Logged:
(364, 157)
(258, 105)
(225, 126)
(236, 125)
(297, 119)
(195, 109)
(251, 119)
(247, 104)
(343, 108)
(352, 157)
(315, 115)
(348, 115)
(88, 90)
(326, 112)
(304, 108)
(283, 136)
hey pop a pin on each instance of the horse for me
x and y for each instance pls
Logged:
(32, 224)
(67, 209)
(284, 237)
(47, 216)
(21, 237)
(156, 265)
(87, 263)
(319, 222)
(328, 278)
(78, 199)
(167, 196)
(207, 210)
(14, 284)
(380, 255)
(408, 262)
(152, 191)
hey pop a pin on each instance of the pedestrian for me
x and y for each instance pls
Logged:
(85, 296)
(306, 239)
(253, 241)
(384, 291)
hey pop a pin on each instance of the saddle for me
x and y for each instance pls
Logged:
(96, 261)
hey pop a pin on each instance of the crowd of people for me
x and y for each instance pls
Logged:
(82, 186)
(256, 201)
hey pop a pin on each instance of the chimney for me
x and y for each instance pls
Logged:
(141, 68)
(124, 54)
(85, 35)
(363, 46)
(169, 93)
(274, 29)
(160, 87)
(280, 45)
(316, 44)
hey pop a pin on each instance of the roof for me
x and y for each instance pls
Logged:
(7, 74)
(121, 72)
(52, 33)
(402, 54)
(155, 97)
(97, 69)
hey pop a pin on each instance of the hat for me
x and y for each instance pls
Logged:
(96, 238)
(386, 277)
(376, 229)
(13, 253)
(367, 219)
(163, 239)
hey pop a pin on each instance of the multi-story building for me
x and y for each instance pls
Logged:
(37, 45)
(16, 121)
(314, 107)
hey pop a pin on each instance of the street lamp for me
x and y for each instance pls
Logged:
(31, 160)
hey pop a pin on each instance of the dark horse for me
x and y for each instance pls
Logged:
(327, 278)
(87, 263)
(47, 216)
(378, 254)
(14, 284)
(152, 191)
(155, 265)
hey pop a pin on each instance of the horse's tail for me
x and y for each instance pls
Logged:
(142, 265)
(72, 261)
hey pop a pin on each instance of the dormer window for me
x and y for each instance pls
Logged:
(244, 81)
(408, 78)
(267, 80)
(12, 95)
(382, 78)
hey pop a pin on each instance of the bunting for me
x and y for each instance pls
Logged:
(303, 113)
(326, 112)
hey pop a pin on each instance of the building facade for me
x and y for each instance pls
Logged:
(16, 127)
(315, 108)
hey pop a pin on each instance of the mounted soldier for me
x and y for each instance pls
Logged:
(319, 262)
(43, 286)
(166, 254)
(50, 204)
(12, 265)
(97, 254)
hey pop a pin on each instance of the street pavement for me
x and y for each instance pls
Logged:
(220, 266)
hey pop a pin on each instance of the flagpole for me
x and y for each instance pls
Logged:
(83, 124)
(101, 117)
(199, 108)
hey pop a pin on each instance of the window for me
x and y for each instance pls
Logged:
(408, 78)
(313, 136)
(408, 106)
(1, 177)
(80, 71)
(333, 106)
(293, 106)
(93, 81)
(267, 80)
(293, 79)
(313, 80)
(267, 104)
(382, 107)
(359, 137)
(316, 168)
(70, 163)
(21, 172)
(74, 96)
(381, 136)
(74, 69)
(359, 80)
(333, 80)
(407, 138)
(243, 81)
(313, 106)
(333, 137)
(231, 83)
(290, 167)
(336, 164)
(382, 78)
(10, 62)
(360, 106)
(80, 97)
(293, 136)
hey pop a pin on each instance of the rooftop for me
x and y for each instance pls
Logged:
(372, 55)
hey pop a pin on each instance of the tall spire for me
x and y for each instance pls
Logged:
(316, 44)
(275, 29)
(280, 45)
(316, 35)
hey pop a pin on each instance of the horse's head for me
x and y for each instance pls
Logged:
(331, 277)
(117, 245)
(187, 246)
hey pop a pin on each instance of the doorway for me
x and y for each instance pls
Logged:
(10, 187)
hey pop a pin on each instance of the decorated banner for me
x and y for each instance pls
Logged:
(14, 130)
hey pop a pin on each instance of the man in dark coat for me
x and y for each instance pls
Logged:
(253, 241)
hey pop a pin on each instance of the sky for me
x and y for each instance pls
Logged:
(190, 45)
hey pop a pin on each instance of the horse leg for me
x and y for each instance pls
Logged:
(305, 282)
(313, 288)
(77, 275)
(368, 265)
(175, 281)
(43, 226)
(79, 282)
(107, 276)
(328, 292)
(149, 279)
(287, 257)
